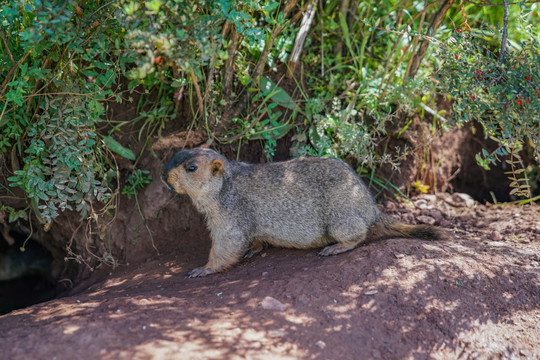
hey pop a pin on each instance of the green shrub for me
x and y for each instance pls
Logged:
(494, 80)
(503, 97)
(63, 162)
(57, 69)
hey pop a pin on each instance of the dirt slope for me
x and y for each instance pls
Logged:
(476, 296)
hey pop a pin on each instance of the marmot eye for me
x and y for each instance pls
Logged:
(191, 168)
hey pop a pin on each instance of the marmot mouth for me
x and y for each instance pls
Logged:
(164, 180)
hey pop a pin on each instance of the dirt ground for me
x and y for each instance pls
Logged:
(476, 296)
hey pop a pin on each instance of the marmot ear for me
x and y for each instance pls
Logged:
(217, 167)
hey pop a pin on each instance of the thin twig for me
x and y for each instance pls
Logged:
(145, 223)
(210, 79)
(237, 137)
(198, 91)
(343, 10)
(6, 44)
(401, 34)
(435, 23)
(11, 72)
(415, 44)
(259, 67)
(391, 77)
(465, 24)
(211, 73)
(101, 8)
(505, 33)
(229, 67)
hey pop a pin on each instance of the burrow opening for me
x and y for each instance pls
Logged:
(28, 270)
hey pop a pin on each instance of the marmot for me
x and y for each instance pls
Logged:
(308, 202)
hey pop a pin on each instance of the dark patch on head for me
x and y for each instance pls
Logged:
(178, 159)
(183, 157)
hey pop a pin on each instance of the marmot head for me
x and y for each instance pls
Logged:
(195, 172)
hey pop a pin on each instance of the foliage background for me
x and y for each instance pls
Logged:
(366, 66)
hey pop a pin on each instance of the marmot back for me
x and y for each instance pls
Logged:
(301, 203)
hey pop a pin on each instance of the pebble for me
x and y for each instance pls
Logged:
(426, 219)
(321, 344)
(390, 206)
(421, 204)
(445, 223)
(460, 200)
(496, 236)
(436, 214)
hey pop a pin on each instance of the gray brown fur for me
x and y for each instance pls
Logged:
(302, 203)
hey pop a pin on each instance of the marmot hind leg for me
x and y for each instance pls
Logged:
(348, 235)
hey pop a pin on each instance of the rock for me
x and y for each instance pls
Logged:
(495, 236)
(390, 206)
(460, 200)
(436, 214)
(269, 303)
(421, 204)
(445, 223)
(408, 218)
(321, 344)
(426, 219)
(469, 201)
(430, 198)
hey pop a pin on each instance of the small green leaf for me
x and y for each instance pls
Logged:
(271, 6)
(153, 5)
(117, 148)
(277, 93)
